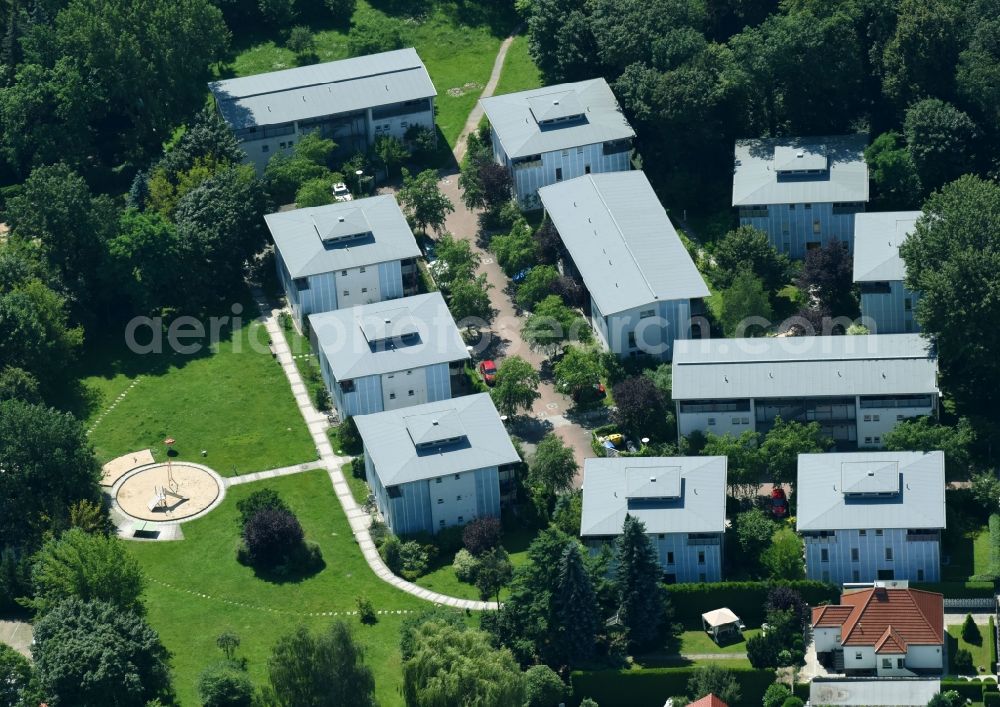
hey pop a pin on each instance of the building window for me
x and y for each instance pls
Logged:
(392, 396)
(745, 421)
(711, 421)
(647, 313)
(900, 418)
(631, 339)
(878, 440)
(816, 227)
(887, 663)
(558, 174)
(343, 273)
(875, 419)
(586, 169)
(807, 206)
(735, 420)
(868, 418)
(361, 269)
(899, 663)
(670, 558)
(410, 393)
(888, 554)
(565, 153)
(878, 533)
(824, 555)
(461, 519)
(347, 293)
(458, 498)
(920, 575)
(441, 523)
(440, 501)
(857, 656)
(457, 476)
(264, 148)
(364, 290)
(437, 480)
(701, 557)
(862, 532)
(855, 555)
(908, 305)
(868, 440)
(791, 207)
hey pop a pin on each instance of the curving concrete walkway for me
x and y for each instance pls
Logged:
(317, 424)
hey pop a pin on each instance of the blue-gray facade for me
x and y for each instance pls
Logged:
(794, 229)
(366, 395)
(841, 556)
(318, 293)
(414, 507)
(889, 308)
(683, 557)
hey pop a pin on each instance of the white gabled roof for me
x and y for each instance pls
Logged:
(840, 160)
(622, 241)
(668, 494)
(307, 239)
(516, 118)
(436, 439)
(320, 90)
(877, 237)
(353, 340)
(855, 490)
(803, 366)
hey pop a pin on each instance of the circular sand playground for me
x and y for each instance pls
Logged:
(156, 493)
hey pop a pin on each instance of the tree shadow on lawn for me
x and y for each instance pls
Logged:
(107, 354)
(288, 575)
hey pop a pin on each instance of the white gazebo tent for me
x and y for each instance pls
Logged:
(720, 622)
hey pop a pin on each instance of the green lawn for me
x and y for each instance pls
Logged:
(359, 487)
(519, 70)
(967, 547)
(442, 577)
(197, 590)
(701, 642)
(234, 403)
(457, 47)
(980, 652)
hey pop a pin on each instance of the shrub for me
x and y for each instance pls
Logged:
(371, 35)
(390, 552)
(260, 500)
(792, 702)
(322, 398)
(225, 685)
(963, 662)
(482, 534)
(991, 636)
(272, 536)
(414, 559)
(970, 632)
(366, 612)
(544, 688)
(991, 699)
(358, 468)
(776, 695)
(379, 532)
(465, 565)
(995, 545)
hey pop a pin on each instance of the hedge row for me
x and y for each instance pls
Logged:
(993, 645)
(958, 590)
(995, 545)
(651, 687)
(746, 599)
(969, 690)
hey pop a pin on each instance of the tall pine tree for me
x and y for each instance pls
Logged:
(637, 574)
(574, 610)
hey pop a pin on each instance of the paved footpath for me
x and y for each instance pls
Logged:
(464, 223)
(356, 516)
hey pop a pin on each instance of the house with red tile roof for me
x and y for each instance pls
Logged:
(709, 700)
(888, 631)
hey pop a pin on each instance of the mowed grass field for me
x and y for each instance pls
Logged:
(233, 402)
(197, 590)
(457, 47)
(519, 71)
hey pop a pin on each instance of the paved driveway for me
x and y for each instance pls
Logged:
(17, 635)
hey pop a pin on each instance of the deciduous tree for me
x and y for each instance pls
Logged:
(326, 670)
(746, 307)
(88, 567)
(783, 559)
(785, 441)
(640, 407)
(953, 258)
(93, 654)
(714, 679)
(516, 386)
(747, 248)
(940, 138)
(423, 200)
(828, 275)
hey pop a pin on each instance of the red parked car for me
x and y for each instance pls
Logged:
(779, 502)
(488, 370)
